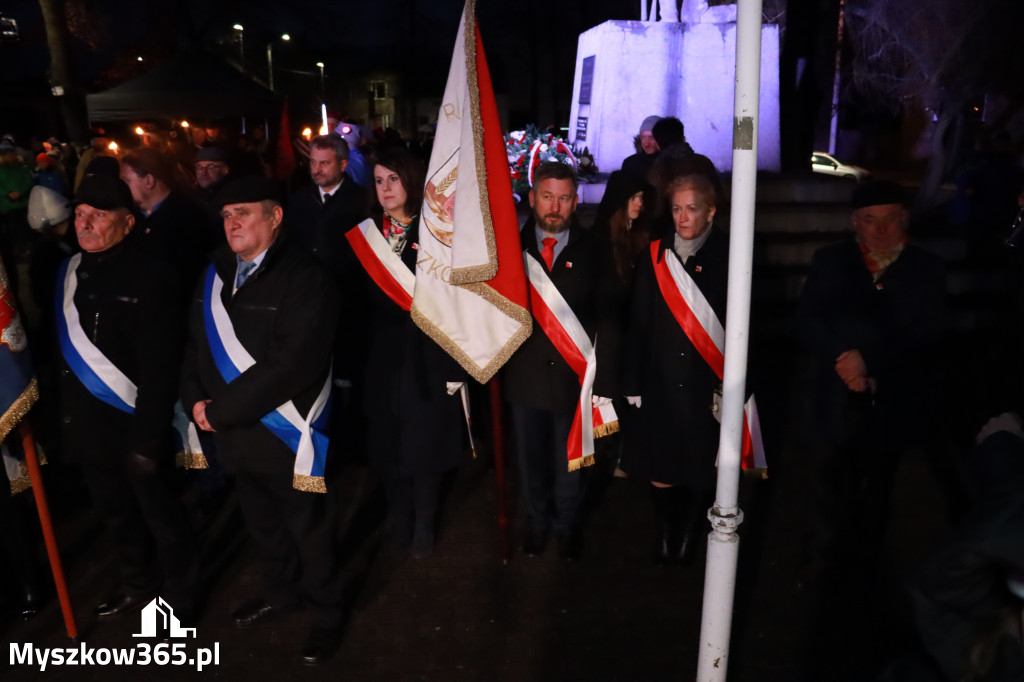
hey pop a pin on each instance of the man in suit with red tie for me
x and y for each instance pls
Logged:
(540, 385)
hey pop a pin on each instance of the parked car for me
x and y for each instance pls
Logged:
(830, 165)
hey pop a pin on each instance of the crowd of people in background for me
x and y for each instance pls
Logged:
(273, 276)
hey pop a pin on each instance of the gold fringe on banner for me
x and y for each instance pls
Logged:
(19, 408)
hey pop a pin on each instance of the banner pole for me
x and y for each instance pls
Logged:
(498, 440)
(32, 462)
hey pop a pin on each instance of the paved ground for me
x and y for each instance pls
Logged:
(463, 615)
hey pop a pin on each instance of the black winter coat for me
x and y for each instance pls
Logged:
(674, 435)
(414, 426)
(536, 375)
(285, 316)
(319, 228)
(176, 233)
(131, 307)
(896, 324)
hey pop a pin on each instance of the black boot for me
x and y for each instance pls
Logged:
(399, 493)
(426, 489)
(692, 509)
(666, 526)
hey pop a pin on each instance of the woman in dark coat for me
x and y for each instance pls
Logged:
(413, 413)
(623, 228)
(674, 436)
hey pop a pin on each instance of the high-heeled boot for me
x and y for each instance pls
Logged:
(666, 537)
(692, 513)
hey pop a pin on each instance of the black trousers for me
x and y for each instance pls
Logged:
(155, 546)
(552, 495)
(296, 534)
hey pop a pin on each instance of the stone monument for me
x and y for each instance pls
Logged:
(682, 65)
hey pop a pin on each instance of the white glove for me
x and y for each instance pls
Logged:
(1007, 421)
(454, 386)
(634, 400)
(598, 401)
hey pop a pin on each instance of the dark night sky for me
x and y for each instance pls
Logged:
(530, 44)
(343, 33)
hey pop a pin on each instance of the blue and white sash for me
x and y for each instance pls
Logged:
(101, 377)
(303, 436)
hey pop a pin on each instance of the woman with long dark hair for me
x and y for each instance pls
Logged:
(412, 409)
(623, 227)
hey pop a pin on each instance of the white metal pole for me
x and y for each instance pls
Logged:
(725, 515)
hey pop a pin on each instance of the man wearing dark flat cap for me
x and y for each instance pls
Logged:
(120, 327)
(872, 316)
(257, 376)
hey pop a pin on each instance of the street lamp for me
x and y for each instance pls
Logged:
(241, 44)
(320, 65)
(270, 59)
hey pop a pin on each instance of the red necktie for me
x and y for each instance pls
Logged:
(548, 252)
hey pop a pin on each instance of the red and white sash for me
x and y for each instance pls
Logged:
(700, 324)
(382, 264)
(569, 337)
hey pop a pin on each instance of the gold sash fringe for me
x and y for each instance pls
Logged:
(309, 484)
(581, 462)
(191, 460)
(606, 429)
(24, 481)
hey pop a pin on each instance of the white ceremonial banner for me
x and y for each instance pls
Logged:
(471, 295)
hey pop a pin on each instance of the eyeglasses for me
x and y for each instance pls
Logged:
(209, 167)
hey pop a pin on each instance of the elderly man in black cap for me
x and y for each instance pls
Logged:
(120, 327)
(257, 375)
(872, 315)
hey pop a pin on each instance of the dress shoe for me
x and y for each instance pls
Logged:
(120, 605)
(535, 542)
(252, 612)
(320, 645)
(570, 546)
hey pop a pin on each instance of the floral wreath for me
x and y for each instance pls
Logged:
(527, 149)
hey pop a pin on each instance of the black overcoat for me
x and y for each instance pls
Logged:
(285, 316)
(177, 233)
(414, 426)
(674, 435)
(897, 325)
(536, 376)
(131, 307)
(318, 227)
